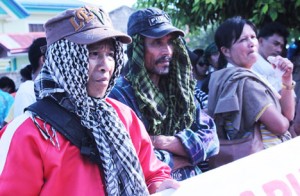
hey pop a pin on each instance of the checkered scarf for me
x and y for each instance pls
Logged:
(171, 107)
(66, 71)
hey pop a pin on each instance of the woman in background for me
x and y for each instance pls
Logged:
(238, 98)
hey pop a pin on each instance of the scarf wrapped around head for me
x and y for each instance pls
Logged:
(66, 72)
(171, 108)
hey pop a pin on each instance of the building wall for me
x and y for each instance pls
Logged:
(22, 25)
(119, 17)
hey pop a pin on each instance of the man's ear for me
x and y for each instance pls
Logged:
(225, 51)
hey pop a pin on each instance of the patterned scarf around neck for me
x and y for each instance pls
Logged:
(66, 71)
(171, 108)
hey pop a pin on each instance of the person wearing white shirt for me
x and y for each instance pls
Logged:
(272, 39)
(25, 95)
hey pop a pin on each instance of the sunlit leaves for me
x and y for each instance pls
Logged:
(203, 13)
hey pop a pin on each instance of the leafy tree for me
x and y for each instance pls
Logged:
(197, 14)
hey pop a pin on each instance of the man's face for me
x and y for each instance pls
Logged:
(271, 46)
(158, 54)
(101, 67)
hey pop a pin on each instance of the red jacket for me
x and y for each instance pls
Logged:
(31, 165)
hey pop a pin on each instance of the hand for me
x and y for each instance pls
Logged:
(168, 183)
(169, 143)
(160, 141)
(285, 65)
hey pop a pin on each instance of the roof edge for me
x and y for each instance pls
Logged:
(13, 7)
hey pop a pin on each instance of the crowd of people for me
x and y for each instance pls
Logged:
(151, 125)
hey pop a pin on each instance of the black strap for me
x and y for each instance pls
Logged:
(68, 124)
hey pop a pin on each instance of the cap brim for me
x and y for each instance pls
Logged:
(161, 31)
(97, 34)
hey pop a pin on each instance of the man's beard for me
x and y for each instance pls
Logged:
(164, 70)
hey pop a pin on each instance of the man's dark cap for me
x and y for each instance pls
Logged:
(152, 23)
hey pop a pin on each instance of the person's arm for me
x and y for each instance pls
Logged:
(276, 122)
(195, 144)
(170, 144)
(287, 100)
(124, 93)
(157, 173)
(263, 104)
(174, 161)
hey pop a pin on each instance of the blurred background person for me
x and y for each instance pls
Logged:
(211, 55)
(272, 39)
(26, 73)
(7, 85)
(25, 95)
(200, 71)
(7, 90)
(239, 99)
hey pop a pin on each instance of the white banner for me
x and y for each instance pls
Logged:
(271, 172)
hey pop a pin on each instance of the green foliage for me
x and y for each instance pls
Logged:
(202, 14)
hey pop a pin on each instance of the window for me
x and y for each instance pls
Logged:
(36, 28)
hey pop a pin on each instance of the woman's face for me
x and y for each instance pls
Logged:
(243, 53)
(101, 67)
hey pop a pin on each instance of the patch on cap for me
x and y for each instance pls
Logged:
(155, 20)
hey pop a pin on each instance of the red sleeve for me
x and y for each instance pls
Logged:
(35, 166)
(154, 170)
(21, 167)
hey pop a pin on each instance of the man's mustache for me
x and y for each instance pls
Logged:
(163, 59)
